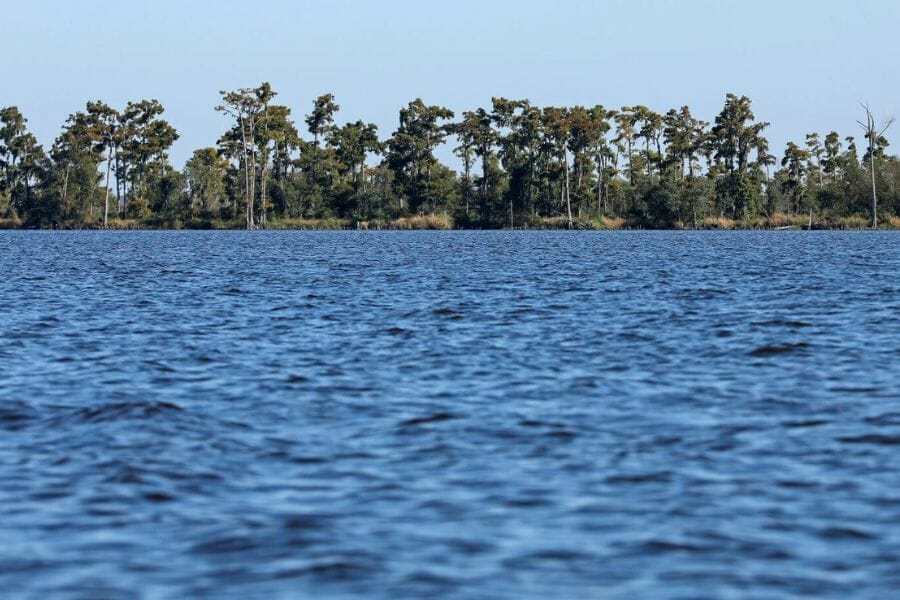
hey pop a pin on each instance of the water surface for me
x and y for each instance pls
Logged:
(449, 414)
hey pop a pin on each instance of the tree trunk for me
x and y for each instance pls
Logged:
(874, 194)
(659, 157)
(251, 208)
(264, 168)
(484, 183)
(467, 167)
(246, 172)
(262, 195)
(106, 201)
(649, 162)
(630, 163)
(600, 184)
(124, 201)
(65, 190)
(315, 172)
(118, 183)
(568, 199)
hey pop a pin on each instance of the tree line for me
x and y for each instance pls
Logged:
(521, 166)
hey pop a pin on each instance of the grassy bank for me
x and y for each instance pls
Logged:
(776, 221)
(417, 222)
(444, 222)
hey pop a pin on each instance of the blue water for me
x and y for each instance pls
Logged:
(449, 414)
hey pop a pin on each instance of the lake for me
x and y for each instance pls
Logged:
(449, 414)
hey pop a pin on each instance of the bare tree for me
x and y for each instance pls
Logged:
(873, 134)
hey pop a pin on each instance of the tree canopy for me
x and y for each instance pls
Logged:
(520, 165)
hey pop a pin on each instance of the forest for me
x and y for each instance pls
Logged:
(520, 166)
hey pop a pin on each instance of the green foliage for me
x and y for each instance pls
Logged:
(410, 156)
(521, 166)
(139, 209)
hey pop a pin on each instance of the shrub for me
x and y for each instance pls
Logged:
(423, 222)
(306, 224)
(10, 223)
(123, 224)
(854, 222)
(139, 208)
(717, 223)
(610, 223)
(787, 220)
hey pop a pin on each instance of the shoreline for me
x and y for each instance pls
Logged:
(778, 222)
(460, 229)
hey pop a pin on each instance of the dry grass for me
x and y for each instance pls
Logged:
(893, 222)
(305, 224)
(11, 223)
(853, 222)
(548, 223)
(124, 224)
(717, 223)
(610, 223)
(423, 222)
(555, 223)
(786, 220)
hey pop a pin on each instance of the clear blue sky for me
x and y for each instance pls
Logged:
(806, 64)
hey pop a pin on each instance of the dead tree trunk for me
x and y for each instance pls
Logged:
(568, 198)
(106, 200)
(873, 134)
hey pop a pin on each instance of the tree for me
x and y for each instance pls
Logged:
(520, 165)
(650, 131)
(558, 125)
(279, 132)
(476, 131)
(519, 136)
(815, 151)
(733, 139)
(410, 152)
(625, 135)
(21, 160)
(145, 140)
(245, 106)
(465, 150)
(205, 174)
(875, 136)
(795, 164)
(77, 155)
(353, 144)
(321, 123)
(831, 156)
(105, 121)
(678, 132)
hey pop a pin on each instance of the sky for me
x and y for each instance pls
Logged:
(805, 64)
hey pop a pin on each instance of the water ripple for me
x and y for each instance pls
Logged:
(448, 414)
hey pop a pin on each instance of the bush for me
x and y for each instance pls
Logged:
(10, 223)
(123, 224)
(854, 222)
(423, 222)
(610, 223)
(305, 224)
(717, 223)
(787, 220)
(139, 208)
